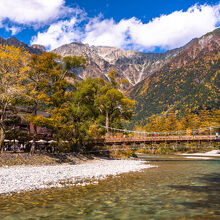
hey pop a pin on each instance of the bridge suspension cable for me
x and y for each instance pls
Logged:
(163, 133)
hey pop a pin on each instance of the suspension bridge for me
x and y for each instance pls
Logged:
(207, 134)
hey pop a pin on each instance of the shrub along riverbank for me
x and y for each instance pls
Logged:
(125, 151)
(178, 148)
(112, 152)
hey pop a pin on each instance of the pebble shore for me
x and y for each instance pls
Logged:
(27, 178)
(213, 153)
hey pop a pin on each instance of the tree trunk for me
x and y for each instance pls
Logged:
(33, 146)
(77, 135)
(2, 138)
(107, 123)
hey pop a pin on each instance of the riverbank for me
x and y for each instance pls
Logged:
(23, 158)
(27, 178)
(213, 153)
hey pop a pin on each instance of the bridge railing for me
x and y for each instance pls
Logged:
(161, 138)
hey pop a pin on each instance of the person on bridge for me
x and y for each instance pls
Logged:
(216, 135)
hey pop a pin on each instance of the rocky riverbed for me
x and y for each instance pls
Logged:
(27, 178)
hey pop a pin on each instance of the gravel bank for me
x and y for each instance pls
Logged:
(26, 178)
(213, 153)
(200, 158)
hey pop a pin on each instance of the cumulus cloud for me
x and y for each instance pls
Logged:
(176, 29)
(106, 32)
(58, 34)
(167, 31)
(32, 11)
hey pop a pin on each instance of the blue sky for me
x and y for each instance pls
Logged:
(144, 25)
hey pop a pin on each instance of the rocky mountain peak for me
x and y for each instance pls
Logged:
(129, 64)
(13, 41)
(38, 47)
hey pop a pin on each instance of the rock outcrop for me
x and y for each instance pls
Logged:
(131, 65)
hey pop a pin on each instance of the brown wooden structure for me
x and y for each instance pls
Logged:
(156, 140)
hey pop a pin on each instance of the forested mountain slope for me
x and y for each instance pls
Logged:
(191, 79)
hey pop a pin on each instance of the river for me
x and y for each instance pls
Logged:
(178, 188)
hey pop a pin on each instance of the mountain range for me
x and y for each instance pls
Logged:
(186, 77)
(128, 64)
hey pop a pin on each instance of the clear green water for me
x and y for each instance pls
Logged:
(177, 189)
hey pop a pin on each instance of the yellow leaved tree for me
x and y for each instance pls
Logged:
(13, 66)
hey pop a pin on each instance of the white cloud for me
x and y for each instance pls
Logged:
(32, 11)
(59, 34)
(167, 31)
(106, 32)
(176, 29)
(14, 30)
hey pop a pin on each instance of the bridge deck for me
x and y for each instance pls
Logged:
(158, 139)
